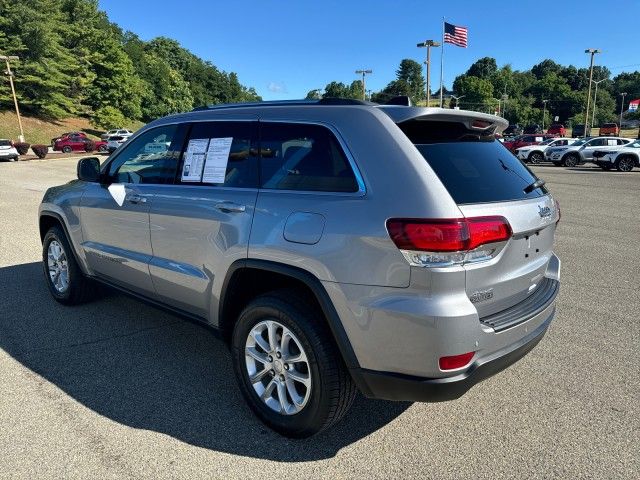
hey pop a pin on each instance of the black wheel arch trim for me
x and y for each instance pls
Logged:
(318, 290)
(58, 217)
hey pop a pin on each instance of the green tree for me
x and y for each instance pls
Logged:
(478, 92)
(485, 68)
(410, 72)
(336, 90)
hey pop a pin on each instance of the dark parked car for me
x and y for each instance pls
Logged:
(77, 143)
(512, 131)
(579, 130)
(557, 129)
(532, 129)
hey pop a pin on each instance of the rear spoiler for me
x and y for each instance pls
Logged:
(472, 120)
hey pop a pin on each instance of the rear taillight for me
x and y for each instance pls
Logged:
(455, 361)
(448, 241)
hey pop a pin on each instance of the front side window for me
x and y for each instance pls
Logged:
(303, 157)
(150, 158)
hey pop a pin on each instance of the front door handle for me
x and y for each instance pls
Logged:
(136, 199)
(230, 207)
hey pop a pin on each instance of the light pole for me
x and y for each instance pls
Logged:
(591, 51)
(595, 104)
(544, 112)
(428, 44)
(457, 99)
(623, 94)
(13, 90)
(364, 72)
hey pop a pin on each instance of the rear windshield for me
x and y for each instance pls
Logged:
(5, 143)
(473, 168)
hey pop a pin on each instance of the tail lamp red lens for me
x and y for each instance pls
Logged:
(447, 235)
(455, 361)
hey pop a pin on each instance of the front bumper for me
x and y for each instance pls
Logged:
(393, 386)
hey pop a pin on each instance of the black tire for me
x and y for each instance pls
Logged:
(67, 149)
(625, 164)
(571, 160)
(536, 158)
(80, 288)
(556, 164)
(332, 389)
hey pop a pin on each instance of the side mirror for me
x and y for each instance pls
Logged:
(89, 169)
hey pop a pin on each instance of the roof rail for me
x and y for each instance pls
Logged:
(285, 103)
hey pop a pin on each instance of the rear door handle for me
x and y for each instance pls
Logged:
(136, 199)
(230, 207)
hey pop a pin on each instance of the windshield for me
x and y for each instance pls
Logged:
(634, 145)
(5, 143)
(548, 141)
(582, 141)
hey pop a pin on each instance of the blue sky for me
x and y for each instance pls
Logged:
(286, 48)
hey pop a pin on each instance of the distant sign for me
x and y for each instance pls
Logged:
(633, 105)
(556, 118)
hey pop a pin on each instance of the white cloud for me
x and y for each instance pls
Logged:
(277, 87)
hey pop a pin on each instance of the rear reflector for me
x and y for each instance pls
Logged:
(455, 361)
(447, 235)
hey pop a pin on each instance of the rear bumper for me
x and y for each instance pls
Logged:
(4, 156)
(394, 386)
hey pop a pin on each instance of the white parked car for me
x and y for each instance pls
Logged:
(624, 159)
(114, 142)
(581, 151)
(535, 153)
(8, 151)
(123, 132)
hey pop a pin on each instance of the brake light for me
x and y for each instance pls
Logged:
(443, 242)
(455, 361)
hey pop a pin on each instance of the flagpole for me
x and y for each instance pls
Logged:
(442, 65)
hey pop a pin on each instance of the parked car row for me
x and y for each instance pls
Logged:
(77, 142)
(582, 150)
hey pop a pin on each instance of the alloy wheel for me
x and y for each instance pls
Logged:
(58, 266)
(278, 367)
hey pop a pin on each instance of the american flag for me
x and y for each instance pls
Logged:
(456, 35)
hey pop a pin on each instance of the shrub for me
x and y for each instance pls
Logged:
(90, 146)
(40, 150)
(22, 148)
(108, 117)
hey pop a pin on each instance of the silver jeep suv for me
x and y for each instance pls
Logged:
(336, 245)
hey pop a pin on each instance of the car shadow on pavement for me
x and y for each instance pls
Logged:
(148, 369)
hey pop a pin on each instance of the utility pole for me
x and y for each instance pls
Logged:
(591, 51)
(544, 112)
(622, 108)
(364, 88)
(595, 98)
(457, 99)
(428, 44)
(13, 90)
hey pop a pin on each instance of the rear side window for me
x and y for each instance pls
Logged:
(222, 154)
(303, 157)
(474, 168)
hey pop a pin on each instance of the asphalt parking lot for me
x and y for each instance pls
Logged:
(119, 389)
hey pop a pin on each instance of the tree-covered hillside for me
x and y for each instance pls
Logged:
(75, 62)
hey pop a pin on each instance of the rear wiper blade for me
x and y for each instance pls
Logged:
(537, 184)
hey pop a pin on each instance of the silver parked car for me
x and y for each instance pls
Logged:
(337, 246)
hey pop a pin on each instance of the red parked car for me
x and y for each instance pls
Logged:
(557, 129)
(526, 140)
(75, 142)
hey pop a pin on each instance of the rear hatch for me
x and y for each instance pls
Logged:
(485, 179)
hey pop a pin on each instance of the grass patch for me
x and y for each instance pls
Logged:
(38, 130)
